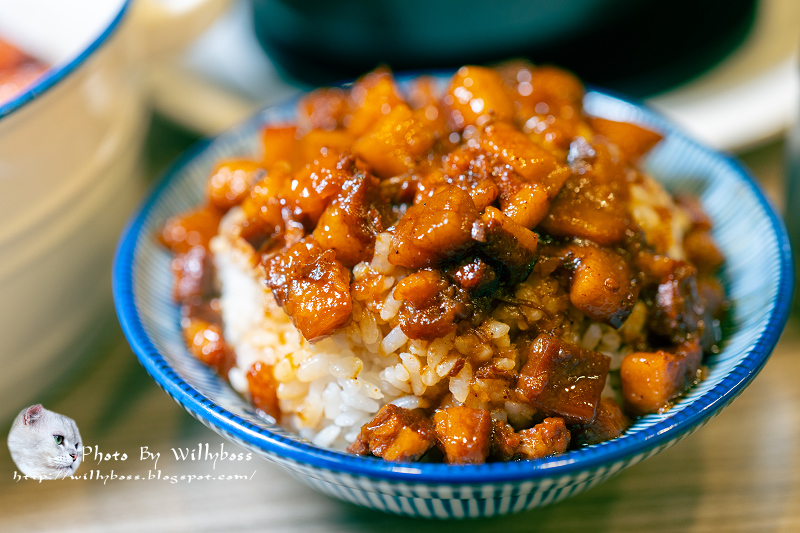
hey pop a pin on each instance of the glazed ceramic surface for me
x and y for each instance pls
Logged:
(757, 278)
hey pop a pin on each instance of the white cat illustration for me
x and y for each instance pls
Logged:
(44, 444)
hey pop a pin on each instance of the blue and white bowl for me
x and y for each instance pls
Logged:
(758, 280)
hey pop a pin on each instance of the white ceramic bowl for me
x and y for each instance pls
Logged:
(69, 175)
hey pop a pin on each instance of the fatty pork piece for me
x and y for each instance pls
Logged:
(700, 247)
(322, 108)
(331, 109)
(528, 176)
(204, 340)
(609, 422)
(475, 275)
(633, 141)
(702, 251)
(530, 161)
(651, 380)
(464, 434)
(505, 441)
(467, 167)
(476, 95)
(187, 236)
(191, 275)
(550, 437)
(263, 209)
(561, 379)
(395, 142)
(197, 227)
(368, 100)
(230, 182)
(310, 189)
(431, 305)
(439, 228)
(395, 434)
(312, 286)
(592, 203)
(278, 143)
(349, 224)
(508, 243)
(602, 285)
(263, 389)
(680, 307)
(548, 101)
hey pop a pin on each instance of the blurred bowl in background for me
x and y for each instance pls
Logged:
(639, 48)
(69, 177)
(354, 36)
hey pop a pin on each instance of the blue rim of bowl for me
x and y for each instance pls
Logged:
(691, 417)
(56, 74)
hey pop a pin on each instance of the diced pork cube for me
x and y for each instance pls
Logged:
(562, 379)
(609, 422)
(352, 220)
(551, 437)
(475, 275)
(279, 144)
(372, 97)
(264, 389)
(191, 274)
(510, 244)
(464, 434)
(230, 182)
(309, 190)
(437, 229)
(183, 232)
(651, 380)
(476, 95)
(701, 249)
(312, 286)
(602, 284)
(395, 434)
(394, 143)
(532, 162)
(205, 341)
(505, 441)
(632, 140)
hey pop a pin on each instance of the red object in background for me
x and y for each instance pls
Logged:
(17, 70)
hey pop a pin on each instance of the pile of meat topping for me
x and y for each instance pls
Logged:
(497, 202)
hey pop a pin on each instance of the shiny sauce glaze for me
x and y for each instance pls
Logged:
(498, 179)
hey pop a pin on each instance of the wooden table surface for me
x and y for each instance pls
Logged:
(739, 473)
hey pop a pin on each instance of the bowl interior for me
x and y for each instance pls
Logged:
(53, 30)
(62, 34)
(757, 279)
